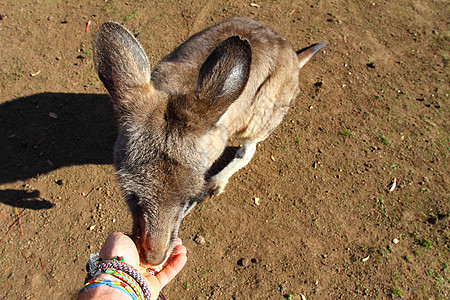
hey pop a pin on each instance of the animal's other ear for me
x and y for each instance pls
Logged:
(222, 78)
(121, 63)
(307, 53)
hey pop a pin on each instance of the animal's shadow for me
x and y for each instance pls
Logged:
(44, 132)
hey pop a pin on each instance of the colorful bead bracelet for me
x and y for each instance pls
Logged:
(111, 283)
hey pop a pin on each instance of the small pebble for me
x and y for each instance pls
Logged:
(91, 227)
(59, 182)
(395, 241)
(199, 239)
(255, 261)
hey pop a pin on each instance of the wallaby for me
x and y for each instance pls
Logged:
(236, 79)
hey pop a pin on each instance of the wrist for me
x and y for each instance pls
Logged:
(121, 276)
(103, 292)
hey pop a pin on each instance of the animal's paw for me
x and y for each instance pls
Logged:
(216, 186)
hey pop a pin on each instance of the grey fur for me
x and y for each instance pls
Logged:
(235, 79)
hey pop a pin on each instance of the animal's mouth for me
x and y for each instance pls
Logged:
(155, 232)
(155, 269)
(150, 259)
(151, 253)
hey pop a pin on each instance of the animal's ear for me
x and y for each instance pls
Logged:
(121, 63)
(304, 55)
(222, 78)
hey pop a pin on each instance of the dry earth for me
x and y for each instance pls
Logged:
(373, 107)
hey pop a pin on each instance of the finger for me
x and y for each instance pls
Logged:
(154, 286)
(177, 242)
(142, 269)
(118, 244)
(173, 268)
(177, 250)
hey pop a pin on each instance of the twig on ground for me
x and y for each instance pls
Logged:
(26, 258)
(19, 218)
(43, 271)
(87, 195)
(16, 211)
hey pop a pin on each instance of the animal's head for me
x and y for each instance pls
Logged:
(162, 148)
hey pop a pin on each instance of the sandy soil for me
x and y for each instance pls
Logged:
(373, 108)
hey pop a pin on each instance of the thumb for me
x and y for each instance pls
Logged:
(175, 263)
(177, 260)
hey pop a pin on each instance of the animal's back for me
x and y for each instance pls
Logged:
(272, 85)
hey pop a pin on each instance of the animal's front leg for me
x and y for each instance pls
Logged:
(241, 159)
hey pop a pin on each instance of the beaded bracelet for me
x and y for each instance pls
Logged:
(103, 266)
(111, 283)
(95, 266)
(128, 280)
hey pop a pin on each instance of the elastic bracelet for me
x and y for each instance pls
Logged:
(128, 280)
(126, 268)
(95, 266)
(111, 283)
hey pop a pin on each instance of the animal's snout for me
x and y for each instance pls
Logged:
(156, 258)
(152, 252)
(153, 239)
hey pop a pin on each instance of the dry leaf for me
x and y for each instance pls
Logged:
(392, 185)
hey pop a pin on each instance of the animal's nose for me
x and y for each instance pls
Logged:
(156, 258)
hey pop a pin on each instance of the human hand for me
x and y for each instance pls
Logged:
(118, 244)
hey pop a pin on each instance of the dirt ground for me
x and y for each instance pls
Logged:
(373, 108)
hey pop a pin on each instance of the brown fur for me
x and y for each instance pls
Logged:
(235, 79)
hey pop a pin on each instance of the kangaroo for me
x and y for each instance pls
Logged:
(236, 79)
